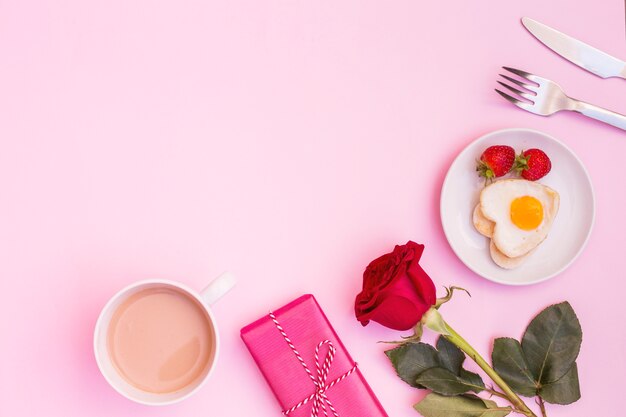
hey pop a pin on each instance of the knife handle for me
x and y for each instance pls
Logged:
(603, 115)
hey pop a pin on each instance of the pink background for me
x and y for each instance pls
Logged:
(290, 142)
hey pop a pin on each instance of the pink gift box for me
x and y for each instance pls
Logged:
(299, 328)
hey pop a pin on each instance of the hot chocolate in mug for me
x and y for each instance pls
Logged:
(156, 341)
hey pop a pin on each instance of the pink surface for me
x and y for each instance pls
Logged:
(290, 142)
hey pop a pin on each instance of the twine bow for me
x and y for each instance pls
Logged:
(320, 400)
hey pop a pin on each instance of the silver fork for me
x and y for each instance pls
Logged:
(544, 97)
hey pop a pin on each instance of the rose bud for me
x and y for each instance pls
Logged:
(396, 290)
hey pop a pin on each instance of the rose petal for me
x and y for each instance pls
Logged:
(396, 312)
(404, 286)
(418, 250)
(424, 286)
(364, 302)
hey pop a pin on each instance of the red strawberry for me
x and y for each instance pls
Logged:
(533, 164)
(496, 161)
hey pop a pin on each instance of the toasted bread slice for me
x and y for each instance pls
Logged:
(504, 261)
(483, 225)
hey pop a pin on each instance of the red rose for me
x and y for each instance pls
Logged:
(396, 290)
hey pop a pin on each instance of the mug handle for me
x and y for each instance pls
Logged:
(218, 287)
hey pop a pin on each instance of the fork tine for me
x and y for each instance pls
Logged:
(521, 73)
(508, 97)
(527, 96)
(516, 82)
(526, 75)
(522, 104)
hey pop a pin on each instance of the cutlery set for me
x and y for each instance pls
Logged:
(544, 97)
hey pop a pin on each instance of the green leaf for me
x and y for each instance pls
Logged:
(451, 357)
(411, 359)
(435, 405)
(444, 382)
(488, 403)
(510, 362)
(564, 391)
(551, 342)
(472, 379)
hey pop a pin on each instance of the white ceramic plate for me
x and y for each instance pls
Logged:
(572, 225)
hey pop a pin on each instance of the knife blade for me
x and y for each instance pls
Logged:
(584, 55)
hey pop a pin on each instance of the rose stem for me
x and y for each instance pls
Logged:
(462, 344)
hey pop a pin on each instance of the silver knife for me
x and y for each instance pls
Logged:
(585, 56)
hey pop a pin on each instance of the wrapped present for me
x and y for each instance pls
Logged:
(306, 365)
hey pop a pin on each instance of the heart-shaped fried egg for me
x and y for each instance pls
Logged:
(522, 212)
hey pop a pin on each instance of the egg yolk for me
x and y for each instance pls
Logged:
(526, 212)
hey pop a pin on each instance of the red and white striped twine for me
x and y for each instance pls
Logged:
(320, 400)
